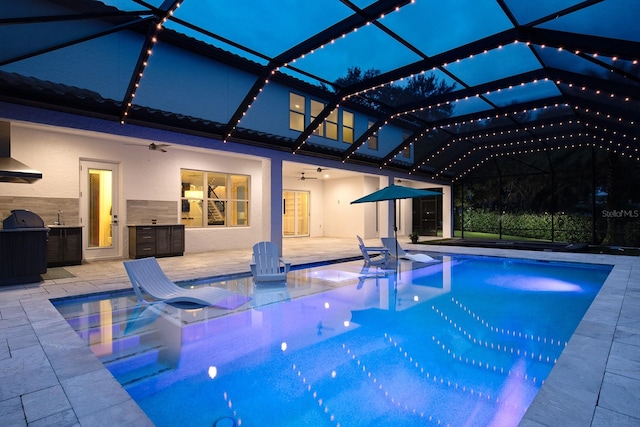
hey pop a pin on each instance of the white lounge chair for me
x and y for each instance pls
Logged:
(267, 264)
(146, 276)
(374, 255)
(392, 245)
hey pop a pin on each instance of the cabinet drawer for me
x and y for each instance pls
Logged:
(145, 236)
(144, 249)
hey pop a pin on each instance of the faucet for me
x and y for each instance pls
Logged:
(59, 220)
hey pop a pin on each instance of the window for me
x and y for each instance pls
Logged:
(296, 112)
(331, 125)
(316, 109)
(406, 152)
(372, 142)
(347, 127)
(225, 196)
(328, 128)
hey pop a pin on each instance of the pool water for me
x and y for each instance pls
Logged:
(463, 341)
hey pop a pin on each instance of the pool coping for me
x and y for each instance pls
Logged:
(47, 370)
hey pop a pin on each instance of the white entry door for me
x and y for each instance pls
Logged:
(99, 209)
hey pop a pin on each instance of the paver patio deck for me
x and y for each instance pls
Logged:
(49, 377)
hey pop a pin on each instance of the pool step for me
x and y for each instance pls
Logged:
(130, 375)
(137, 364)
(132, 355)
(142, 375)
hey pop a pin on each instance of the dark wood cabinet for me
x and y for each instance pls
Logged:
(156, 240)
(64, 246)
(24, 255)
(170, 240)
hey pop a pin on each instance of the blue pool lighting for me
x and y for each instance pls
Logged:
(464, 341)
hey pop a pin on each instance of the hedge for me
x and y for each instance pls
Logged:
(566, 228)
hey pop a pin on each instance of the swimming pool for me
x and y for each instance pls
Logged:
(465, 341)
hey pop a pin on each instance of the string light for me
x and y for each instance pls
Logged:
(479, 134)
(396, 153)
(236, 122)
(148, 50)
(627, 149)
(480, 51)
(604, 144)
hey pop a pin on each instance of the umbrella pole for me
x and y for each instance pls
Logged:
(395, 231)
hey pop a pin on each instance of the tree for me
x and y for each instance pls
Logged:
(355, 75)
(413, 90)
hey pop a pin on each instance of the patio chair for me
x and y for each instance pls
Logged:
(374, 256)
(392, 245)
(267, 265)
(146, 276)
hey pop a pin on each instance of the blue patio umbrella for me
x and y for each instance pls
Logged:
(393, 193)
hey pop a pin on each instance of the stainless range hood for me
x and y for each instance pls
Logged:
(12, 170)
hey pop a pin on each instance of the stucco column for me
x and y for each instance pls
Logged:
(447, 212)
(275, 231)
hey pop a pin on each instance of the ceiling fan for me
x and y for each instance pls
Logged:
(158, 147)
(319, 170)
(153, 146)
(303, 178)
